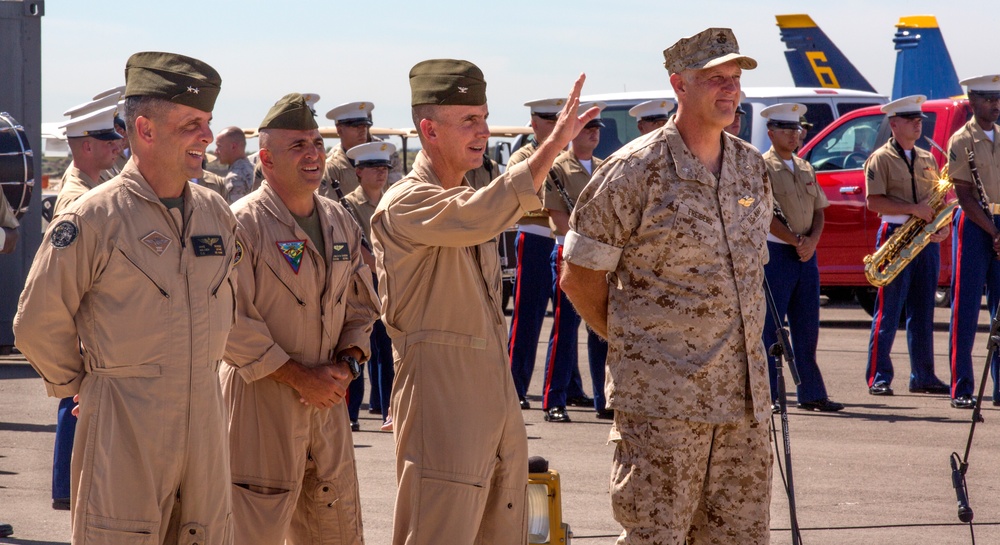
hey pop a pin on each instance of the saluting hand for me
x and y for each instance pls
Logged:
(569, 124)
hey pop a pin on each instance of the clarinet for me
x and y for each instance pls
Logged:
(983, 201)
(561, 189)
(350, 208)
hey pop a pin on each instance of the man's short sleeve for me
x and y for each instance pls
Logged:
(609, 210)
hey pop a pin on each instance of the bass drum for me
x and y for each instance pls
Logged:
(17, 165)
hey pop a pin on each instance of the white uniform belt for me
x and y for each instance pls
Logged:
(896, 219)
(535, 230)
(772, 238)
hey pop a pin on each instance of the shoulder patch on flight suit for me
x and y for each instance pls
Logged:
(238, 254)
(157, 242)
(208, 245)
(64, 234)
(341, 252)
(292, 250)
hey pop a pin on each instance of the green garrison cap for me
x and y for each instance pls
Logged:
(447, 82)
(291, 112)
(173, 77)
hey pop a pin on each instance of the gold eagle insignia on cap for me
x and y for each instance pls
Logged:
(383, 147)
(559, 102)
(995, 79)
(795, 108)
(362, 106)
(746, 201)
(663, 104)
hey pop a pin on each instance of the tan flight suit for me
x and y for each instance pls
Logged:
(461, 447)
(339, 167)
(687, 370)
(7, 217)
(149, 292)
(75, 184)
(309, 315)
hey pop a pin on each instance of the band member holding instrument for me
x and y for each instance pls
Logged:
(900, 179)
(977, 234)
(792, 271)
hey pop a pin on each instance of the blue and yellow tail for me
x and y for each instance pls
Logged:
(923, 64)
(814, 60)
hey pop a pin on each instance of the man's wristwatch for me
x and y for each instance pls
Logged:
(352, 364)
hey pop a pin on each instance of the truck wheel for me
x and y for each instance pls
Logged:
(866, 298)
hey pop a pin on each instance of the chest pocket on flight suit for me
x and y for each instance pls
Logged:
(276, 288)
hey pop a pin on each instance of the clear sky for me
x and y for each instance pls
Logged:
(347, 50)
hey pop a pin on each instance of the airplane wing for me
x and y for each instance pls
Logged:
(813, 59)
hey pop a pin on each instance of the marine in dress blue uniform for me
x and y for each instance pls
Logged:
(792, 272)
(976, 234)
(899, 179)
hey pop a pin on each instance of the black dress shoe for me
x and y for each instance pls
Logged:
(775, 407)
(524, 404)
(60, 504)
(556, 414)
(963, 402)
(374, 410)
(822, 405)
(606, 414)
(939, 388)
(355, 425)
(6, 530)
(580, 401)
(880, 389)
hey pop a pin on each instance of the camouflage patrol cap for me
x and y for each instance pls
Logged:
(708, 48)
(176, 78)
(447, 82)
(292, 112)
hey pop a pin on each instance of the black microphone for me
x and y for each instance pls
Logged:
(965, 513)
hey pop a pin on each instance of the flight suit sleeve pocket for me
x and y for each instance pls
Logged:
(108, 531)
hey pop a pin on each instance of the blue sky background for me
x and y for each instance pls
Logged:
(349, 50)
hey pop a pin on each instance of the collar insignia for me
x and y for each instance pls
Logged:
(292, 250)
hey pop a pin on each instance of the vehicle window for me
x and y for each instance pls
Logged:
(619, 128)
(820, 115)
(848, 146)
(847, 107)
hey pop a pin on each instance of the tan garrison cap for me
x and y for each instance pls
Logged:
(291, 112)
(172, 77)
(708, 48)
(447, 82)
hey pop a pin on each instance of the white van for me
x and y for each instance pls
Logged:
(824, 105)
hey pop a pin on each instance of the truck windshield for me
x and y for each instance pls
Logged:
(848, 146)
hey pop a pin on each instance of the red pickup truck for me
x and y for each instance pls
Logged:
(838, 154)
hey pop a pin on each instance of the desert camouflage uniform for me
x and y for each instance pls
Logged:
(688, 378)
(239, 179)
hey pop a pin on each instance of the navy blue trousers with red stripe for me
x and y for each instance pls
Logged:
(973, 265)
(563, 352)
(532, 292)
(913, 290)
(795, 289)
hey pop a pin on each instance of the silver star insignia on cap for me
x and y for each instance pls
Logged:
(194, 90)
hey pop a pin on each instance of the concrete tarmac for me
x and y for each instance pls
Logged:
(875, 473)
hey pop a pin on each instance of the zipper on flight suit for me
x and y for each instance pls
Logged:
(290, 292)
(225, 275)
(162, 291)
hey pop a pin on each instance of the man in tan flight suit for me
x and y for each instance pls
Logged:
(462, 476)
(678, 219)
(140, 270)
(353, 121)
(94, 143)
(305, 309)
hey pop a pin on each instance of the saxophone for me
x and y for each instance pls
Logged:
(910, 238)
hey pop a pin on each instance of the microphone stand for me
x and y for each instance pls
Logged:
(781, 350)
(960, 466)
